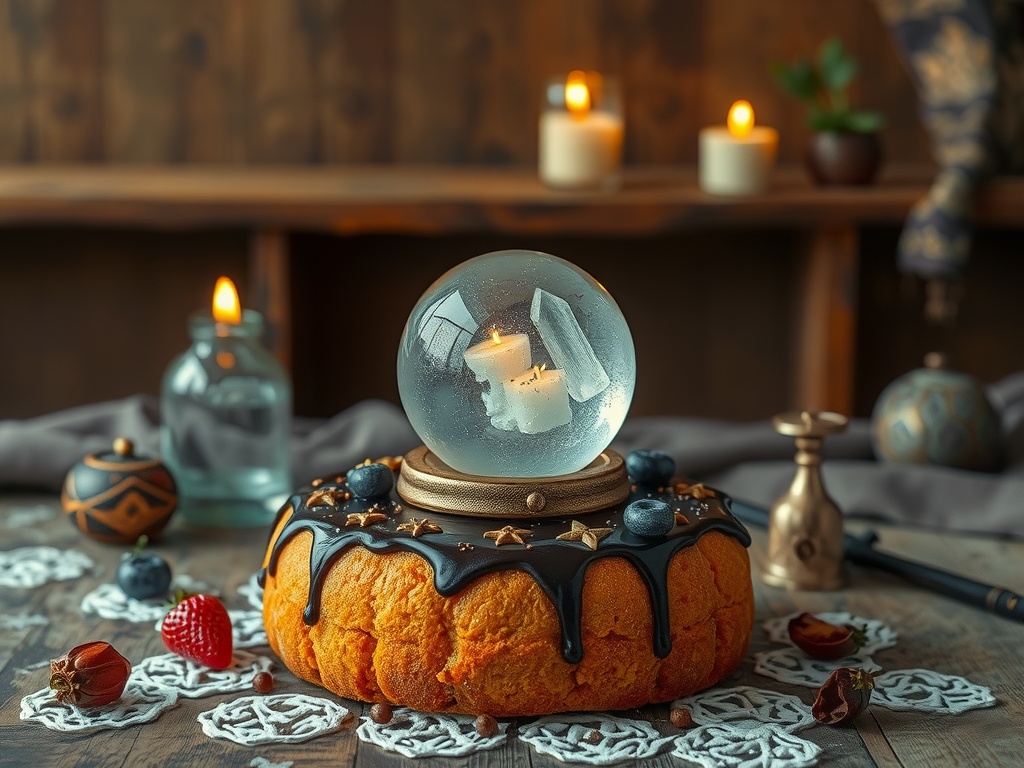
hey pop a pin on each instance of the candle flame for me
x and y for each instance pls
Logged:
(741, 119)
(226, 308)
(577, 95)
(495, 337)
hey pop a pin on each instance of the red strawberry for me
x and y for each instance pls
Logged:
(198, 627)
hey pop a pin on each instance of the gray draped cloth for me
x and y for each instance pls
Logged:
(749, 460)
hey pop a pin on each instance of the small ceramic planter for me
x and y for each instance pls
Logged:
(117, 496)
(835, 157)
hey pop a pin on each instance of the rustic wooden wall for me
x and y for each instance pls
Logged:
(446, 81)
(415, 81)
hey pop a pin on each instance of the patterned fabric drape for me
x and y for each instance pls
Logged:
(966, 56)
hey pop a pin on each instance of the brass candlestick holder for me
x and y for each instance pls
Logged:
(805, 527)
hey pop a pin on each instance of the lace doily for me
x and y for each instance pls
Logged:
(194, 680)
(766, 746)
(23, 621)
(425, 734)
(138, 704)
(23, 517)
(247, 629)
(923, 690)
(273, 719)
(108, 601)
(28, 567)
(595, 738)
(791, 665)
(262, 762)
(252, 592)
(746, 707)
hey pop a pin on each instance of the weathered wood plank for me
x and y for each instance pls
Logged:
(140, 82)
(354, 69)
(212, 98)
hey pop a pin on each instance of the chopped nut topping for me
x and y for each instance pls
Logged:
(508, 535)
(327, 497)
(419, 527)
(365, 519)
(696, 490)
(580, 532)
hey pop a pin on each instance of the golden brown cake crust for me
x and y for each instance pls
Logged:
(496, 646)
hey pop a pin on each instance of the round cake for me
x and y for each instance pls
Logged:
(382, 601)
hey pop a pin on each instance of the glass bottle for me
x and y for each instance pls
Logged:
(225, 409)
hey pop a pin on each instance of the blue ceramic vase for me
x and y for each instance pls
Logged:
(934, 415)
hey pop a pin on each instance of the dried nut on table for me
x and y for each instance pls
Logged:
(821, 640)
(90, 675)
(486, 726)
(142, 573)
(263, 682)
(381, 713)
(198, 627)
(680, 717)
(844, 695)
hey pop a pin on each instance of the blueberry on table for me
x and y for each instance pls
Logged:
(649, 518)
(650, 467)
(369, 481)
(142, 574)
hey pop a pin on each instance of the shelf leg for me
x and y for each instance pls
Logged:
(827, 320)
(269, 276)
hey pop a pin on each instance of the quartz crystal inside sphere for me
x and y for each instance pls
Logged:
(516, 364)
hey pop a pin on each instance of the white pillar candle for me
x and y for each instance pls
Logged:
(538, 400)
(737, 159)
(580, 144)
(495, 361)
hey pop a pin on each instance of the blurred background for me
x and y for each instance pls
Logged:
(91, 311)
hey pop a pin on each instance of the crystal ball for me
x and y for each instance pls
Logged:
(516, 364)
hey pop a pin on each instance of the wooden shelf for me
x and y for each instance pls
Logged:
(271, 201)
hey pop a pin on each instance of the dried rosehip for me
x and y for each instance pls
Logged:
(844, 695)
(90, 675)
(821, 640)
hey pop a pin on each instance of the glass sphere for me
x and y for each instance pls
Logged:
(516, 364)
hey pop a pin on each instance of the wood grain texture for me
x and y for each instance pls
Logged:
(934, 633)
(327, 81)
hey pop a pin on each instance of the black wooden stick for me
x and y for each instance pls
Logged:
(861, 550)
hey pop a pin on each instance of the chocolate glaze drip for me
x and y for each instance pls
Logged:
(461, 553)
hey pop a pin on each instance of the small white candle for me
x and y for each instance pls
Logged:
(580, 146)
(538, 400)
(737, 159)
(494, 361)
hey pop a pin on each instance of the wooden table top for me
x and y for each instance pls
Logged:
(934, 633)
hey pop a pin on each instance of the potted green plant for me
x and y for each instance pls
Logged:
(844, 148)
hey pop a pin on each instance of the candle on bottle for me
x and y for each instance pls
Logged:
(581, 132)
(493, 361)
(225, 406)
(538, 400)
(738, 158)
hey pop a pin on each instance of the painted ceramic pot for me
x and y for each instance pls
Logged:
(840, 157)
(933, 415)
(117, 496)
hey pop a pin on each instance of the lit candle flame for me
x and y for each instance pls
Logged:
(226, 308)
(577, 95)
(741, 119)
(494, 336)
